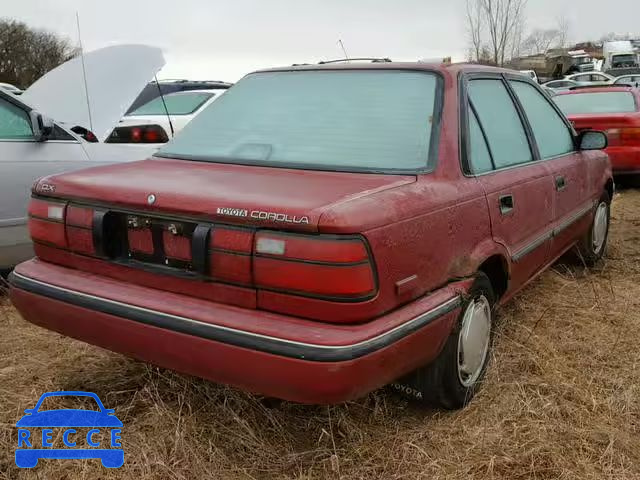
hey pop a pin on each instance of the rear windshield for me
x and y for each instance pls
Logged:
(328, 120)
(177, 104)
(596, 102)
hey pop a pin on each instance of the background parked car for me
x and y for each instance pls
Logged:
(555, 86)
(590, 78)
(32, 145)
(7, 87)
(614, 110)
(153, 89)
(320, 243)
(161, 118)
(631, 80)
(531, 74)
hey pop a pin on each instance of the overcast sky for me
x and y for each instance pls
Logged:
(223, 40)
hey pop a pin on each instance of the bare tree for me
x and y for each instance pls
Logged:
(564, 30)
(475, 24)
(541, 40)
(26, 54)
(503, 21)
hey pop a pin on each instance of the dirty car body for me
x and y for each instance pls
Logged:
(322, 245)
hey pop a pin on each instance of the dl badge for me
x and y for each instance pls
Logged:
(101, 440)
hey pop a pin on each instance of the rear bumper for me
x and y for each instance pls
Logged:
(274, 355)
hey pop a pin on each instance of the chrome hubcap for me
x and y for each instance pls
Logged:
(600, 223)
(473, 340)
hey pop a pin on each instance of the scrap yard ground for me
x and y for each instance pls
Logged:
(560, 400)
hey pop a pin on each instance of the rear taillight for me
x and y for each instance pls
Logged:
(230, 254)
(620, 137)
(46, 222)
(324, 266)
(138, 134)
(79, 222)
(328, 267)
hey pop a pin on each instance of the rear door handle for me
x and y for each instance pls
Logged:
(506, 204)
(561, 183)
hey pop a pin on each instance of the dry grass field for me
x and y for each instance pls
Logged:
(560, 400)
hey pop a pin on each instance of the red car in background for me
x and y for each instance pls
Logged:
(614, 110)
(321, 231)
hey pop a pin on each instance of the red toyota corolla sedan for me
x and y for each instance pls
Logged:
(614, 110)
(321, 231)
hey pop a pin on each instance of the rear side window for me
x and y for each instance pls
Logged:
(328, 120)
(14, 122)
(479, 156)
(551, 133)
(596, 102)
(499, 118)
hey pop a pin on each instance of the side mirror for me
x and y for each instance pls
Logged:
(592, 140)
(42, 126)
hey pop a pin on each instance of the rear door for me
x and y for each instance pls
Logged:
(555, 141)
(519, 189)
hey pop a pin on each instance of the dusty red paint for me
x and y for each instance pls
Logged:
(433, 228)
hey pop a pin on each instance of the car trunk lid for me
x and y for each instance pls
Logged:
(243, 195)
(229, 233)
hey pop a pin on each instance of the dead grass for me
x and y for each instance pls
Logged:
(560, 401)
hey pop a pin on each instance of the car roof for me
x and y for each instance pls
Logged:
(593, 72)
(563, 80)
(452, 69)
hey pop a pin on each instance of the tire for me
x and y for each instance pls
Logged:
(445, 383)
(593, 244)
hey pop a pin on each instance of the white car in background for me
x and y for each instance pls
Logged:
(531, 74)
(7, 87)
(555, 86)
(590, 78)
(631, 80)
(163, 117)
(33, 146)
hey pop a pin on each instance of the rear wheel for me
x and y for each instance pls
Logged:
(453, 378)
(594, 243)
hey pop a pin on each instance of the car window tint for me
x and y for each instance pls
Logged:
(346, 120)
(501, 122)
(479, 156)
(176, 104)
(596, 102)
(551, 133)
(14, 122)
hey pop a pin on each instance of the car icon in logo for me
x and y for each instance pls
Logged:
(103, 429)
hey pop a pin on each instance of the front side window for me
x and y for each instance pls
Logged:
(177, 104)
(549, 129)
(329, 120)
(14, 122)
(596, 102)
(498, 115)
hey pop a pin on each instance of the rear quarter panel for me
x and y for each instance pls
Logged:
(434, 230)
